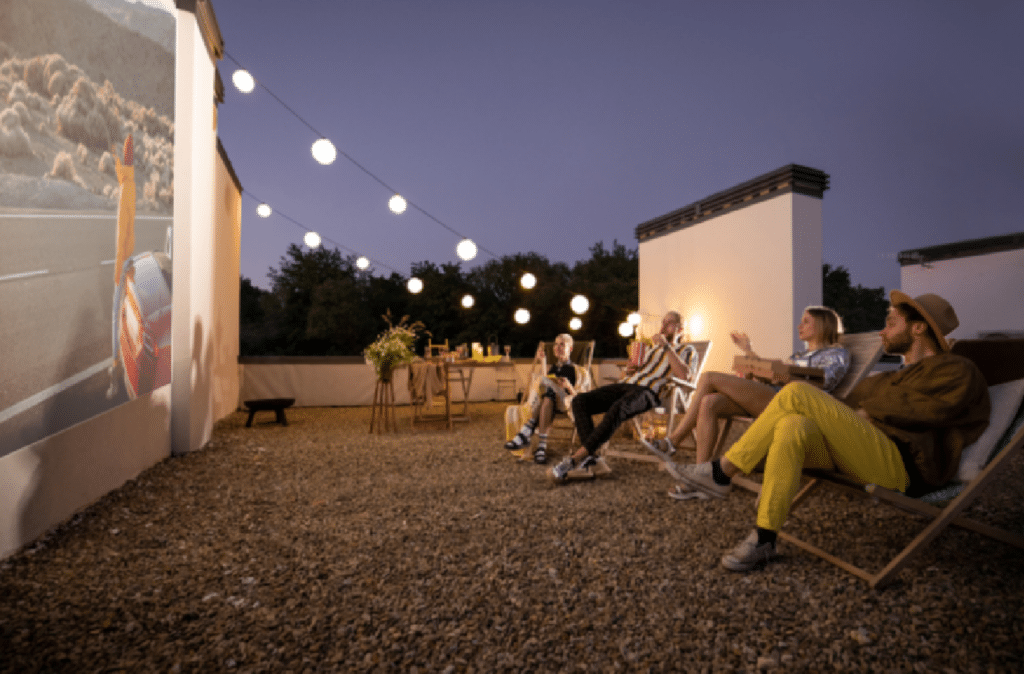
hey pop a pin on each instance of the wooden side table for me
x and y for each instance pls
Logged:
(382, 416)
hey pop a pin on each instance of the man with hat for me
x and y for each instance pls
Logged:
(901, 430)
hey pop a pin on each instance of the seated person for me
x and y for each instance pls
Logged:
(901, 430)
(719, 394)
(636, 393)
(559, 383)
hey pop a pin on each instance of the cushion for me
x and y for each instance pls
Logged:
(1006, 400)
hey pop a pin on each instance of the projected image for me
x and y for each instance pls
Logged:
(86, 206)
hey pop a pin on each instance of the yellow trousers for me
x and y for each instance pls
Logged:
(804, 427)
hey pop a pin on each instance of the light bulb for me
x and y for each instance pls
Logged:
(264, 211)
(362, 262)
(415, 285)
(324, 151)
(625, 329)
(466, 249)
(312, 239)
(575, 323)
(522, 316)
(397, 204)
(243, 81)
(468, 301)
(580, 304)
(528, 280)
(634, 318)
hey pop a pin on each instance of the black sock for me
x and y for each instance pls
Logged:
(718, 475)
(766, 536)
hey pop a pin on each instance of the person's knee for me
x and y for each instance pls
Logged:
(713, 404)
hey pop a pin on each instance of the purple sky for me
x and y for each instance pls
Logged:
(549, 125)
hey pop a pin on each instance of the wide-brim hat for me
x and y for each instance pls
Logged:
(937, 312)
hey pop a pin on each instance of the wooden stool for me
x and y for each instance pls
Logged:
(276, 404)
(382, 416)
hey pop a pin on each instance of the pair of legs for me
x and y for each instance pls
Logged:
(618, 402)
(718, 395)
(540, 421)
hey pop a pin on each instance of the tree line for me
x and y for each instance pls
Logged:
(321, 304)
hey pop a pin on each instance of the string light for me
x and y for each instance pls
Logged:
(625, 329)
(575, 323)
(312, 239)
(528, 281)
(522, 316)
(580, 304)
(397, 204)
(414, 285)
(634, 319)
(324, 151)
(363, 262)
(466, 250)
(468, 301)
(243, 81)
(264, 211)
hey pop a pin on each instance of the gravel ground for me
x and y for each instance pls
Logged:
(318, 547)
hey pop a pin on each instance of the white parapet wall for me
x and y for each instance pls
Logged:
(982, 278)
(747, 259)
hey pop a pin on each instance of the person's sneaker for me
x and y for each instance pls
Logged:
(540, 456)
(665, 445)
(560, 472)
(698, 476)
(749, 554)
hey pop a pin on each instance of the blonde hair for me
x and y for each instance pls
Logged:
(567, 338)
(829, 324)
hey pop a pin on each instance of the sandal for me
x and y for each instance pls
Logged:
(684, 493)
(517, 442)
(540, 456)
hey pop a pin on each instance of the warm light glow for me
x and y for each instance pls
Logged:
(695, 326)
(312, 239)
(522, 316)
(468, 301)
(528, 280)
(575, 323)
(397, 204)
(264, 211)
(580, 304)
(363, 262)
(466, 249)
(625, 329)
(324, 151)
(634, 319)
(414, 285)
(243, 81)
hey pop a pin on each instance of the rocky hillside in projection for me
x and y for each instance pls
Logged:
(59, 125)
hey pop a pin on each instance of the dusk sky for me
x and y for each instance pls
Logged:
(552, 125)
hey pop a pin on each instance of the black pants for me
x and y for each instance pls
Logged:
(618, 402)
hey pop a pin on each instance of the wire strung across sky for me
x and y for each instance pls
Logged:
(354, 163)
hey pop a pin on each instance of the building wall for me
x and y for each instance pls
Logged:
(985, 290)
(753, 269)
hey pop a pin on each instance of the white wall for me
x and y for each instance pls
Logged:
(752, 269)
(985, 290)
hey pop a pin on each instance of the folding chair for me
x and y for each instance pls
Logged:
(1002, 363)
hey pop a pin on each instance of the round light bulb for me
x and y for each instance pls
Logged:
(466, 249)
(468, 301)
(580, 304)
(625, 329)
(324, 151)
(415, 285)
(528, 280)
(634, 318)
(397, 204)
(243, 81)
(312, 239)
(575, 323)
(363, 262)
(264, 211)
(522, 316)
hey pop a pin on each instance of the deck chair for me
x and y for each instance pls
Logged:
(1002, 363)
(865, 351)
(582, 357)
(675, 397)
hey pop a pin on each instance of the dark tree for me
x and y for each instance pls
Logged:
(862, 309)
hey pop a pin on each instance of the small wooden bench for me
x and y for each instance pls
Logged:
(278, 405)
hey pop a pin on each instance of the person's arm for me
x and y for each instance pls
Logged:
(742, 342)
(679, 368)
(835, 361)
(933, 398)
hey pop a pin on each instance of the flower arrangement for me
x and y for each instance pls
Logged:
(393, 347)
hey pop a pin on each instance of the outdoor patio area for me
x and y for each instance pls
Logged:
(319, 547)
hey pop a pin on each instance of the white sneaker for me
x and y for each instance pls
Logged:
(749, 554)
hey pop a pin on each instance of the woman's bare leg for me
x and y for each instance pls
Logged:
(751, 396)
(713, 407)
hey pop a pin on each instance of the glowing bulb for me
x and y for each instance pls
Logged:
(528, 280)
(634, 318)
(397, 204)
(466, 249)
(415, 285)
(362, 262)
(468, 301)
(625, 329)
(580, 304)
(264, 211)
(695, 326)
(324, 151)
(575, 323)
(243, 81)
(522, 316)
(312, 239)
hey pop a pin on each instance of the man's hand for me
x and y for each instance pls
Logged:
(659, 340)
